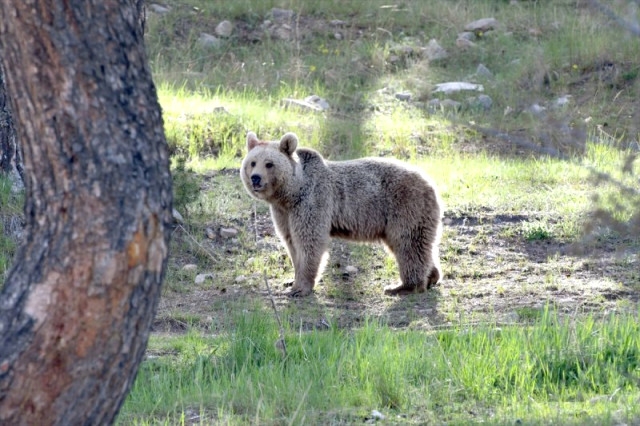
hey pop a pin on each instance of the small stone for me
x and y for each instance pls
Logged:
(190, 267)
(562, 101)
(201, 278)
(449, 104)
(210, 233)
(433, 51)
(337, 23)
(278, 14)
(457, 86)
(404, 96)
(377, 415)
(317, 100)
(240, 279)
(208, 40)
(224, 29)
(337, 36)
(351, 269)
(463, 43)
(228, 232)
(484, 101)
(177, 217)
(481, 25)
(468, 35)
(483, 71)
(433, 104)
(161, 10)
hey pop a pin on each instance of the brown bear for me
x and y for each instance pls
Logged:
(368, 199)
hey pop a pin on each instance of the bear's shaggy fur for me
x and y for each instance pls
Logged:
(368, 199)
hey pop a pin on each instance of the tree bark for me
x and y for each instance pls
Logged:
(10, 157)
(77, 307)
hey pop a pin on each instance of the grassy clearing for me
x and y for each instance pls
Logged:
(556, 370)
(521, 330)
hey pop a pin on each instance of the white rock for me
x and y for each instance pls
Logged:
(177, 217)
(377, 415)
(317, 100)
(190, 267)
(481, 25)
(208, 40)
(201, 278)
(224, 29)
(351, 269)
(457, 86)
(240, 279)
(228, 232)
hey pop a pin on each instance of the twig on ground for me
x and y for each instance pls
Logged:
(280, 344)
(198, 244)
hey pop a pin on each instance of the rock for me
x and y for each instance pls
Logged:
(208, 40)
(161, 10)
(177, 217)
(483, 71)
(190, 267)
(351, 269)
(450, 105)
(303, 104)
(377, 415)
(317, 100)
(433, 51)
(201, 278)
(281, 32)
(281, 15)
(210, 233)
(537, 110)
(457, 86)
(562, 101)
(224, 29)
(337, 36)
(468, 35)
(240, 279)
(485, 101)
(404, 96)
(481, 25)
(463, 43)
(228, 232)
(337, 23)
(433, 105)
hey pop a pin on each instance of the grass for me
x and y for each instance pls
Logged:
(481, 348)
(555, 370)
(522, 331)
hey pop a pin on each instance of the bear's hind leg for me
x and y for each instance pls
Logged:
(415, 263)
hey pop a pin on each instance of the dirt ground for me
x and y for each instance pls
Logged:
(492, 274)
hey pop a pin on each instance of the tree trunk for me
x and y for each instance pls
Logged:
(77, 307)
(10, 159)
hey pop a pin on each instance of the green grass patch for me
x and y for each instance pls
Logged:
(554, 370)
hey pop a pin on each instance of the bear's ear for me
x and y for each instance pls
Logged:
(289, 143)
(252, 141)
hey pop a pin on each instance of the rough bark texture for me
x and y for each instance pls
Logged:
(77, 307)
(10, 157)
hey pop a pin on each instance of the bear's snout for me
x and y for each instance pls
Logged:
(256, 180)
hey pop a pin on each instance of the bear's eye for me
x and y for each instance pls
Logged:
(253, 164)
(268, 165)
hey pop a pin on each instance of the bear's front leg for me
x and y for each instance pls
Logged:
(310, 246)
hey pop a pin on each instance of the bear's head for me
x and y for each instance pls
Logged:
(269, 168)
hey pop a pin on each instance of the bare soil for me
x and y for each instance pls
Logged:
(492, 273)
